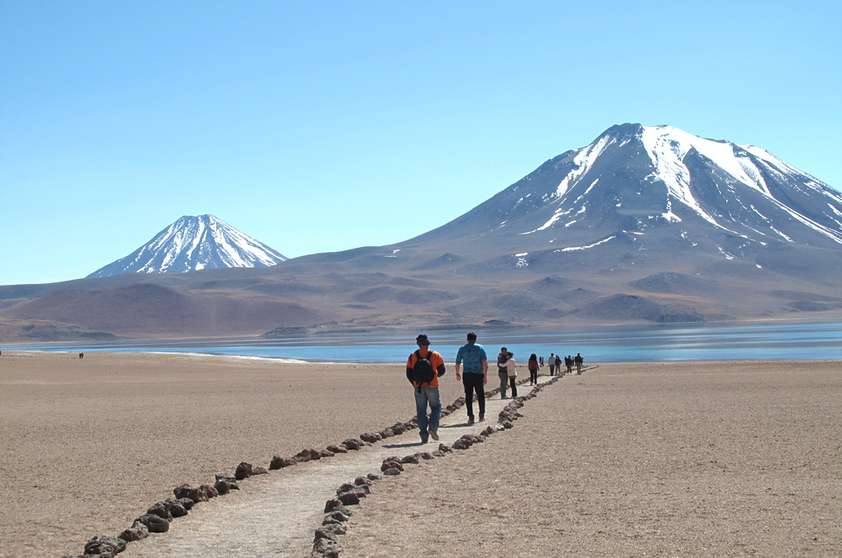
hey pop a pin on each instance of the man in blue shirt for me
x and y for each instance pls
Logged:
(475, 374)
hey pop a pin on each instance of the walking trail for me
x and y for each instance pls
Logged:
(277, 514)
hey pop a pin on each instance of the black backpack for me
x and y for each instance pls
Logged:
(423, 371)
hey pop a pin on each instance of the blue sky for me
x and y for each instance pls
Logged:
(324, 126)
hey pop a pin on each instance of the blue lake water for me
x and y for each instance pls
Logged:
(638, 343)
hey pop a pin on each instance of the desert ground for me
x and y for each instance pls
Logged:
(667, 459)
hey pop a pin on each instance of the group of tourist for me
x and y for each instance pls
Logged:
(555, 361)
(424, 367)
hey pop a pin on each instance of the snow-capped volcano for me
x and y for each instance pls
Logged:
(634, 181)
(194, 243)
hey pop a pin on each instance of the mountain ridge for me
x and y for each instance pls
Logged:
(642, 224)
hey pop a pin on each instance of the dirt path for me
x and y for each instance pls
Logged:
(277, 514)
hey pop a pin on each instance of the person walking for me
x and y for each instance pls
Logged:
(533, 365)
(511, 372)
(578, 360)
(503, 371)
(558, 365)
(551, 362)
(423, 369)
(568, 361)
(472, 354)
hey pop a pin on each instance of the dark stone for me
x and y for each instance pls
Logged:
(507, 424)
(336, 516)
(209, 491)
(391, 471)
(105, 547)
(373, 476)
(426, 455)
(330, 531)
(349, 498)
(224, 486)
(154, 523)
(398, 429)
(187, 491)
(444, 448)
(279, 462)
(410, 459)
(391, 465)
(461, 444)
(326, 548)
(353, 444)
(175, 507)
(370, 437)
(161, 510)
(303, 456)
(332, 504)
(325, 453)
(338, 449)
(244, 471)
(186, 502)
(136, 532)
(362, 481)
(346, 487)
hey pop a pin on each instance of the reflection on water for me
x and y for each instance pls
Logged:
(638, 343)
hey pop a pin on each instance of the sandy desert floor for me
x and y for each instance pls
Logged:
(679, 459)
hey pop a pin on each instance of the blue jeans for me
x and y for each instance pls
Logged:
(423, 396)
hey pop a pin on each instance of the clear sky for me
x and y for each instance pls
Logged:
(323, 126)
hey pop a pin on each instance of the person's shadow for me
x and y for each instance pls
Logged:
(406, 445)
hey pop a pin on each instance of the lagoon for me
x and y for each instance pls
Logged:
(627, 343)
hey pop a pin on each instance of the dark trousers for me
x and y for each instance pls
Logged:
(473, 383)
(513, 385)
(533, 377)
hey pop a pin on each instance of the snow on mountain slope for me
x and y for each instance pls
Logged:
(637, 180)
(194, 243)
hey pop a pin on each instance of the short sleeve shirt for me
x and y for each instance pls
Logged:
(471, 356)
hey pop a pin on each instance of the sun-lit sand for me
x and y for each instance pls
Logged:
(679, 459)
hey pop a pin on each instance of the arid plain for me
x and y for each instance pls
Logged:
(689, 459)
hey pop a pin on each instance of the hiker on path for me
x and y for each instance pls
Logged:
(551, 362)
(511, 372)
(475, 376)
(533, 365)
(558, 365)
(578, 360)
(423, 369)
(568, 361)
(503, 370)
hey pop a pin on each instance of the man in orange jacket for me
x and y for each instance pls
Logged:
(423, 369)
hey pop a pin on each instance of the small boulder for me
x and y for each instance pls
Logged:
(136, 532)
(154, 523)
(105, 547)
(370, 437)
(279, 462)
(243, 471)
(187, 491)
(353, 444)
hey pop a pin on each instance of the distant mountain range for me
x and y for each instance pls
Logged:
(192, 244)
(645, 224)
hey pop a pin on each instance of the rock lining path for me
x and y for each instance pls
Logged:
(277, 514)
